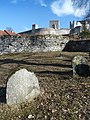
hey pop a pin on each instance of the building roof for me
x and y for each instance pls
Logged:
(6, 32)
(9, 33)
(2, 33)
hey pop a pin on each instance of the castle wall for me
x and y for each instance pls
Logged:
(63, 31)
(46, 31)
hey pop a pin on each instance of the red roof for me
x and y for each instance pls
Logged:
(2, 33)
(6, 32)
(9, 33)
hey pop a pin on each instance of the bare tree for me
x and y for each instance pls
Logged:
(85, 3)
(88, 14)
(9, 29)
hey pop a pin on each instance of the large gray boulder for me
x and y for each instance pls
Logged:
(21, 87)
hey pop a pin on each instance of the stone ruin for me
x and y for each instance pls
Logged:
(80, 66)
(21, 87)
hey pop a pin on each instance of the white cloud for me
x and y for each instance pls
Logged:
(42, 3)
(16, 1)
(65, 7)
(37, 26)
(79, 12)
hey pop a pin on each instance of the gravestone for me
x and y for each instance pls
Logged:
(80, 66)
(21, 87)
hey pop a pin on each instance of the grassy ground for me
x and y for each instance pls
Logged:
(62, 96)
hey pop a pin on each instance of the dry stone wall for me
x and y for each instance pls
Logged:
(32, 44)
(77, 46)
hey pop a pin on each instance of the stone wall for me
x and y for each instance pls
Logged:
(78, 46)
(42, 43)
(34, 43)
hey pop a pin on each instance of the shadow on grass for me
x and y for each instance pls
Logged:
(68, 61)
(2, 94)
(70, 72)
(6, 61)
(82, 70)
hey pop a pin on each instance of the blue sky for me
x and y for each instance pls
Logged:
(21, 14)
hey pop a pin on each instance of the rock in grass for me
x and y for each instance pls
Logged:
(80, 66)
(21, 87)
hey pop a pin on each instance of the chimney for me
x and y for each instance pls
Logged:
(33, 28)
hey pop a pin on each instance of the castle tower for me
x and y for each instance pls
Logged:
(54, 24)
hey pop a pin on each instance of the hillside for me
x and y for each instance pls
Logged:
(62, 96)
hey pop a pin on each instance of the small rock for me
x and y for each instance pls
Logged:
(30, 116)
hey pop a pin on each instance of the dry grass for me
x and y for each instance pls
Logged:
(62, 96)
